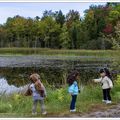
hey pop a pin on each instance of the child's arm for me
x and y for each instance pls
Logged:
(28, 92)
(79, 89)
(70, 90)
(110, 83)
(97, 80)
(45, 91)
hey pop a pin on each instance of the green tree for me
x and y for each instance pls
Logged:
(49, 30)
(59, 17)
(15, 29)
(114, 16)
(65, 38)
(47, 13)
(116, 38)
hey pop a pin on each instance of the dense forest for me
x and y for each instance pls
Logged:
(98, 29)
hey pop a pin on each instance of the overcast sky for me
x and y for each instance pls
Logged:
(37, 9)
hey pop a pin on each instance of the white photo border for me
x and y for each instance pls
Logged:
(58, 1)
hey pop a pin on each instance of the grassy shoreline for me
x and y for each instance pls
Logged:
(63, 54)
(47, 51)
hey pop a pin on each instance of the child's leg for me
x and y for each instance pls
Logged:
(108, 94)
(42, 106)
(72, 105)
(104, 94)
(34, 106)
(75, 101)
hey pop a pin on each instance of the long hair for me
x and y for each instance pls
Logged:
(35, 78)
(72, 77)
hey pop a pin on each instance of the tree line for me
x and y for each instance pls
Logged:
(98, 29)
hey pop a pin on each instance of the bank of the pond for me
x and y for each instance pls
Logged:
(57, 102)
(46, 51)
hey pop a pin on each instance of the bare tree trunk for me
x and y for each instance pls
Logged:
(35, 45)
(103, 44)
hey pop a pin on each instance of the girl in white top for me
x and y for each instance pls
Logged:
(38, 95)
(106, 83)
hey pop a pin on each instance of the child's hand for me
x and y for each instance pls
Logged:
(79, 90)
(94, 82)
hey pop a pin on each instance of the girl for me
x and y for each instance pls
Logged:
(73, 89)
(106, 83)
(38, 93)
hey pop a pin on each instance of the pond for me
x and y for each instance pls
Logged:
(15, 70)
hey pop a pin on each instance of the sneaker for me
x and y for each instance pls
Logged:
(74, 110)
(44, 113)
(108, 102)
(34, 113)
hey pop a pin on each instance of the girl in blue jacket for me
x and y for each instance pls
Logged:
(73, 89)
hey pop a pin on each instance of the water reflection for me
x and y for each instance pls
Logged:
(6, 89)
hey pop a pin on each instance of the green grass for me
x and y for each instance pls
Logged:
(57, 102)
(46, 51)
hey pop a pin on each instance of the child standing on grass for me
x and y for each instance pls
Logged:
(106, 83)
(73, 89)
(38, 93)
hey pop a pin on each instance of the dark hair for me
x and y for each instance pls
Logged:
(72, 77)
(107, 72)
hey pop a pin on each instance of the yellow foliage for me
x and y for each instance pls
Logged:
(60, 94)
(17, 97)
(118, 80)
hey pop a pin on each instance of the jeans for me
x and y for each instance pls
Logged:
(35, 105)
(73, 101)
(106, 94)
